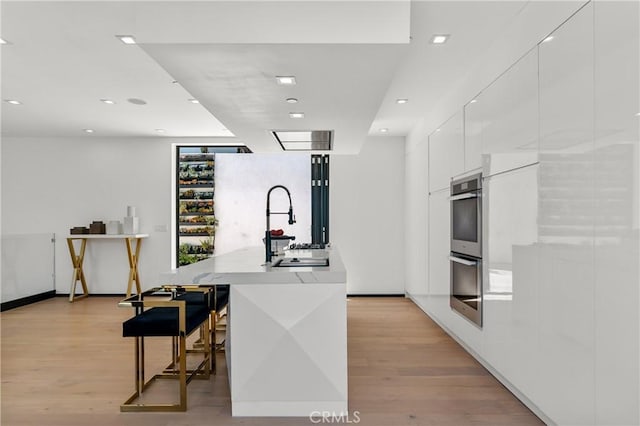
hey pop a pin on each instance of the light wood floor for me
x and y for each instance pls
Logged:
(66, 364)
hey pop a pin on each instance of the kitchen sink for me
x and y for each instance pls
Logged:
(289, 262)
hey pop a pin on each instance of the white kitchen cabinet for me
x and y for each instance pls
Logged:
(416, 213)
(566, 222)
(510, 281)
(566, 87)
(617, 193)
(439, 247)
(505, 119)
(446, 153)
(473, 124)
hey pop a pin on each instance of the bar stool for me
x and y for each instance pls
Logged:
(217, 301)
(167, 317)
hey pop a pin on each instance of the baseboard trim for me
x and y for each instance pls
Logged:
(95, 295)
(23, 301)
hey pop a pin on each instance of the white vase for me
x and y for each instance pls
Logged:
(130, 225)
(114, 227)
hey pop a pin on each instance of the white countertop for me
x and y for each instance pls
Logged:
(247, 266)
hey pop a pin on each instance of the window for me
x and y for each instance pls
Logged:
(319, 199)
(196, 221)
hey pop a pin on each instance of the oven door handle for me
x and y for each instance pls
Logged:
(463, 261)
(464, 196)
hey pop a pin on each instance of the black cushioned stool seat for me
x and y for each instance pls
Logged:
(163, 321)
(222, 297)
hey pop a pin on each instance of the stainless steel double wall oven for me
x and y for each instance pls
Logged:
(466, 247)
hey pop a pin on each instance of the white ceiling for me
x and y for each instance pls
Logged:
(339, 87)
(352, 60)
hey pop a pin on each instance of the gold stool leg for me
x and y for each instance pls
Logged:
(141, 386)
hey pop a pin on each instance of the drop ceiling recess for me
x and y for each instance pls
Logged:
(304, 140)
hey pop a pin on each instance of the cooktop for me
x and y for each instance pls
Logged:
(306, 246)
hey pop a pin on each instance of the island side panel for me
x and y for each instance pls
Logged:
(289, 351)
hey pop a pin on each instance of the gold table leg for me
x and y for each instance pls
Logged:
(78, 273)
(133, 265)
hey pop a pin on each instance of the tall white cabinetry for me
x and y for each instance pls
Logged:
(474, 122)
(416, 213)
(439, 242)
(501, 123)
(446, 153)
(506, 114)
(558, 138)
(446, 159)
(616, 212)
(566, 221)
(510, 332)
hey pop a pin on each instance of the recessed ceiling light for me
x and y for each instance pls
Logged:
(160, 130)
(137, 101)
(127, 39)
(13, 102)
(439, 38)
(437, 130)
(548, 39)
(194, 101)
(292, 100)
(473, 101)
(296, 115)
(88, 130)
(402, 101)
(637, 114)
(384, 130)
(3, 41)
(286, 79)
(107, 101)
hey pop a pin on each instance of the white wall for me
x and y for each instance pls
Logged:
(242, 183)
(51, 185)
(367, 215)
(27, 265)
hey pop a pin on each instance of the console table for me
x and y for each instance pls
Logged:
(78, 259)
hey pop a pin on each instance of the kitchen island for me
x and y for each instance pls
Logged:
(286, 344)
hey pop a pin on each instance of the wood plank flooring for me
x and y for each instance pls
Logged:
(66, 364)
